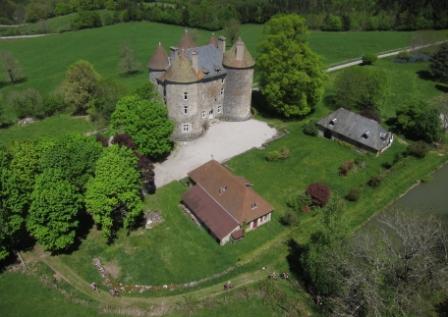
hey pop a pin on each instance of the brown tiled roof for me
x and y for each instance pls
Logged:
(159, 60)
(186, 41)
(211, 214)
(230, 60)
(232, 192)
(213, 40)
(181, 71)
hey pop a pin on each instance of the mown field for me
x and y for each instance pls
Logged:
(46, 59)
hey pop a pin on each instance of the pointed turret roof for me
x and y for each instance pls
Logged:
(230, 57)
(181, 71)
(186, 41)
(213, 40)
(159, 60)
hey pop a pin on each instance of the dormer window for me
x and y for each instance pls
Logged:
(185, 95)
(222, 189)
(365, 135)
(383, 136)
(333, 122)
(253, 206)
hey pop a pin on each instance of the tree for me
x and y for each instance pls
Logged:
(232, 30)
(369, 59)
(26, 103)
(107, 94)
(146, 121)
(128, 63)
(417, 120)
(319, 194)
(361, 88)
(113, 194)
(85, 20)
(80, 86)
(147, 91)
(4, 118)
(53, 212)
(12, 69)
(439, 63)
(291, 74)
(75, 156)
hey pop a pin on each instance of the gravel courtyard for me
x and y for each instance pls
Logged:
(222, 141)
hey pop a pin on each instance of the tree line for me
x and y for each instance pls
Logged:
(333, 15)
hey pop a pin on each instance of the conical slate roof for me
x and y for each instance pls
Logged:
(213, 40)
(159, 60)
(186, 41)
(230, 58)
(181, 71)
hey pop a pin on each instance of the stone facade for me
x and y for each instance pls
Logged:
(203, 83)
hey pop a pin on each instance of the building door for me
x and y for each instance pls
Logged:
(255, 223)
(210, 114)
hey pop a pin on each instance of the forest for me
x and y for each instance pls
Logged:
(327, 15)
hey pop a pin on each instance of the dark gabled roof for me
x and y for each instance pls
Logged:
(159, 60)
(211, 214)
(355, 127)
(209, 58)
(231, 192)
(230, 58)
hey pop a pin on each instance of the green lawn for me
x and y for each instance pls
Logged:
(52, 127)
(46, 59)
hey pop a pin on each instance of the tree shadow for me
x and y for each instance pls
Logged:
(85, 225)
(442, 88)
(425, 75)
(442, 309)
(261, 106)
(295, 252)
(330, 102)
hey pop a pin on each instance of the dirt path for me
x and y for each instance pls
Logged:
(18, 37)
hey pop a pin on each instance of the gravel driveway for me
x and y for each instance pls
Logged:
(222, 141)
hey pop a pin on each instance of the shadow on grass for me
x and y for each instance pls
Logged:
(425, 75)
(444, 89)
(85, 224)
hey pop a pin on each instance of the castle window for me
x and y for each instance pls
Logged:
(185, 95)
(186, 127)
(185, 109)
(222, 91)
(222, 80)
(204, 114)
(219, 109)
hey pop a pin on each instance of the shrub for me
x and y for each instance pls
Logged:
(319, 194)
(360, 163)
(27, 103)
(346, 167)
(311, 129)
(289, 219)
(53, 103)
(86, 19)
(403, 57)
(333, 23)
(387, 165)
(353, 194)
(374, 181)
(298, 202)
(418, 149)
(369, 59)
(278, 155)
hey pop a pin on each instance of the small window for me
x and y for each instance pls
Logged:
(185, 109)
(333, 121)
(186, 127)
(222, 189)
(219, 109)
(185, 95)
(222, 80)
(365, 135)
(253, 206)
(222, 91)
(204, 114)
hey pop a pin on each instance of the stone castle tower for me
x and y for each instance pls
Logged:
(203, 83)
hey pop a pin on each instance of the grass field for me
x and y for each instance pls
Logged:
(46, 59)
(52, 127)
(178, 251)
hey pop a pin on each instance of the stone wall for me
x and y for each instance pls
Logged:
(238, 94)
(211, 98)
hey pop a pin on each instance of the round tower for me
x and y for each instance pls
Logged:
(181, 84)
(158, 64)
(239, 65)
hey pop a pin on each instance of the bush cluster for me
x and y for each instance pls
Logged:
(346, 167)
(353, 195)
(278, 155)
(375, 181)
(418, 149)
(369, 59)
(311, 129)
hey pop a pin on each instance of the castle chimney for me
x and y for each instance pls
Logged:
(195, 61)
(239, 50)
(222, 44)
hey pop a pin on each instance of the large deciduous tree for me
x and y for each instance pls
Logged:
(128, 63)
(12, 69)
(417, 120)
(80, 86)
(53, 213)
(439, 63)
(113, 196)
(361, 88)
(291, 74)
(146, 121)
(75, 155)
